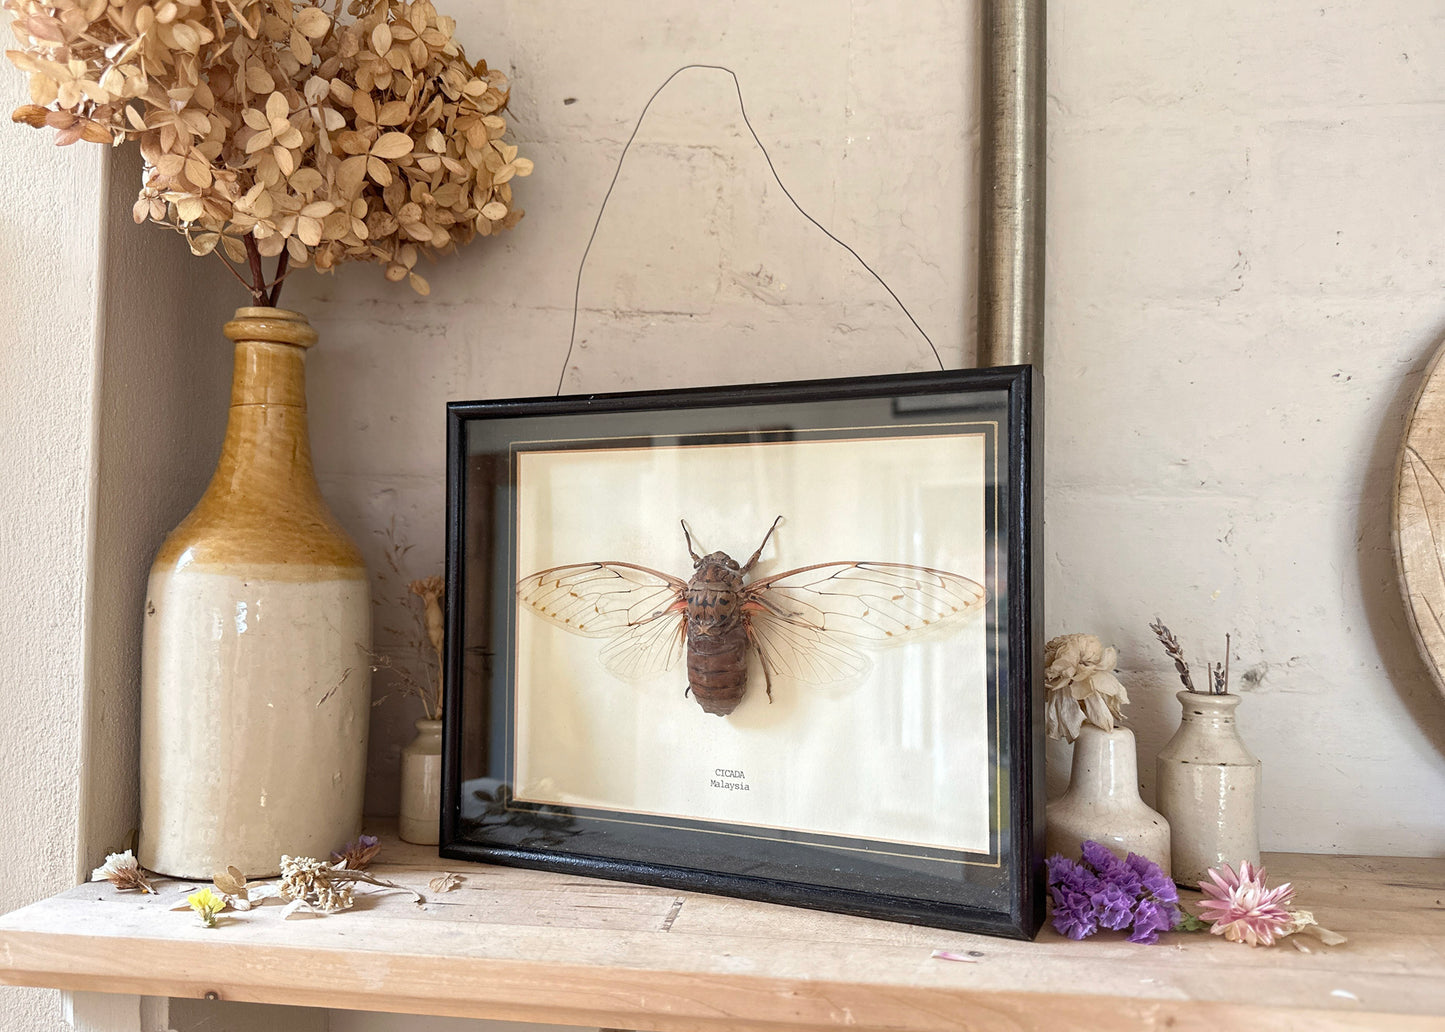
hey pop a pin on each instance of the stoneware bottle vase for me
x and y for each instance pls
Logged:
(421, 785)
(1102, 802)
(255, 687)
(1208, 785)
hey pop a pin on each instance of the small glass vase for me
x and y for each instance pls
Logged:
(419, 819)
(1103, 804)
(1208, 784)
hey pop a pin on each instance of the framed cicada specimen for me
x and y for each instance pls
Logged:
(773, 641)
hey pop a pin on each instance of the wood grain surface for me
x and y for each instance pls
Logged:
(1419, 530)
(534, 946)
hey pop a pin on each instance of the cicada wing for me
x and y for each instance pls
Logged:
(803, 652)
(870, 603)
(639, 609)
(646, 649)
(599, 600)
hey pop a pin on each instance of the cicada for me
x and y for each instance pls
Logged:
(806, 624)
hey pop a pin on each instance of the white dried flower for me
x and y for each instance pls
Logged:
(1079, 676)
(123, 871)
(311, 884)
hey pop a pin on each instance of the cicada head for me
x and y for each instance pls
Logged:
(717, 559)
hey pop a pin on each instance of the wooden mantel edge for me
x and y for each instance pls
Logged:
(618, 997)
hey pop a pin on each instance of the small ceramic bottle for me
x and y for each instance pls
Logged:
(1103, 802)
(421, 785)
(1208, 788)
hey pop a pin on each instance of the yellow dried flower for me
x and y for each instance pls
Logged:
(207, 905)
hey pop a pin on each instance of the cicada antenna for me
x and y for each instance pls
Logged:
(758, 554)
(687, 534)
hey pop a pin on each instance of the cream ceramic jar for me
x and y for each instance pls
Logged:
(255, 683)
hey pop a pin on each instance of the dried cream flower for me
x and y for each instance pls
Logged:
(123, 871)
(311, 884)
(1079, 677)
(325, 888)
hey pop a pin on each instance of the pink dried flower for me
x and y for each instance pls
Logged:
(1242, 909)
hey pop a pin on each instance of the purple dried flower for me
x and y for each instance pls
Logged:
(1073, 913)
(359, 853)
(1154, 881)
(1103, 891)
(1071, 876)
(1126, 881)
(1150, 918)
(1114, 907)
(1100, 857)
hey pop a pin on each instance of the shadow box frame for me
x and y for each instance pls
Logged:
(562, 480)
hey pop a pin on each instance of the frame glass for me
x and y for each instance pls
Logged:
(772, 641)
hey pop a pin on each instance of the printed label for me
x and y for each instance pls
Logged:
(729, 780)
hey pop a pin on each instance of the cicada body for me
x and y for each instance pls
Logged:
(717, 635)
(804, 624)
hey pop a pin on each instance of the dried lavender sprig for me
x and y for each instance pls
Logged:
(1174, 649)
(1227, 650)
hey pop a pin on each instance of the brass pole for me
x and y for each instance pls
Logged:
(1011, 185)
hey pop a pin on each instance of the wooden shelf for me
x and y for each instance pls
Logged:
(531, 946)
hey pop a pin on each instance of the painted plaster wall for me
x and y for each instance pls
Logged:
(1245, 259)
(50, 256)
(701, 270)
(1246, 251)
(1244, 269)
(87, 506)
(163, 396)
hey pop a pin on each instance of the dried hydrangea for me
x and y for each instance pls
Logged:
(123, 871)
(1079, 677)
(273, 128)
(325, 888)
(312, 884)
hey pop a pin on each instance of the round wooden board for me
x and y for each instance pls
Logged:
(1419, 531)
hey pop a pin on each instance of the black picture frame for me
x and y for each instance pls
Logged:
(508, 705)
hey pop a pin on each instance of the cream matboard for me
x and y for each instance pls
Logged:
(900, 755)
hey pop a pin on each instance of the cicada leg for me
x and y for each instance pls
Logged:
(763, 660)
(759, 553)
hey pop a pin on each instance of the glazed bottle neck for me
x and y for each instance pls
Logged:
(267, 443)
(1105, 763)
(1208, 710)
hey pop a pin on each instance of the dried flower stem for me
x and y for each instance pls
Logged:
(279, 279)
(258, 278)
(1175, 651)
(231, 269)
(422, 673)
(1217, 674)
